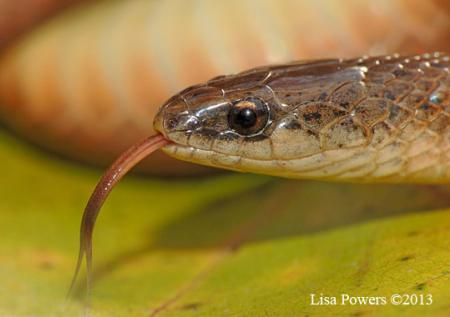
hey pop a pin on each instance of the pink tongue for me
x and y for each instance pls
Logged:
(115, 172)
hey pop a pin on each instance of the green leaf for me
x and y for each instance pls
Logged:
(227, 245)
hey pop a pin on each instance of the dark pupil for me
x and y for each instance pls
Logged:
(246, 118)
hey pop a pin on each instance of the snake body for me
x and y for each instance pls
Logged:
(370, 119)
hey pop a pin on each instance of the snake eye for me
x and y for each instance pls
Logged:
(248, 116)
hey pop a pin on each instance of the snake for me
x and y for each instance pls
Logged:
(382, 119)
(84, 79)
(372, 119)
(100, 77)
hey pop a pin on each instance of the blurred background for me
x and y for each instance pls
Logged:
(80, 81)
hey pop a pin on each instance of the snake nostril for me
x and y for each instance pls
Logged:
(172, 123)
(181, 123)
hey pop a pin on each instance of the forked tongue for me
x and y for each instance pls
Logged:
(116, 171)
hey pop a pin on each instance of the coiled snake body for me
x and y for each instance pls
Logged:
(372, 119)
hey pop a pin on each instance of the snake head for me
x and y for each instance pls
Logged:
(263, 120)
(330, 119)
(221, 123)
